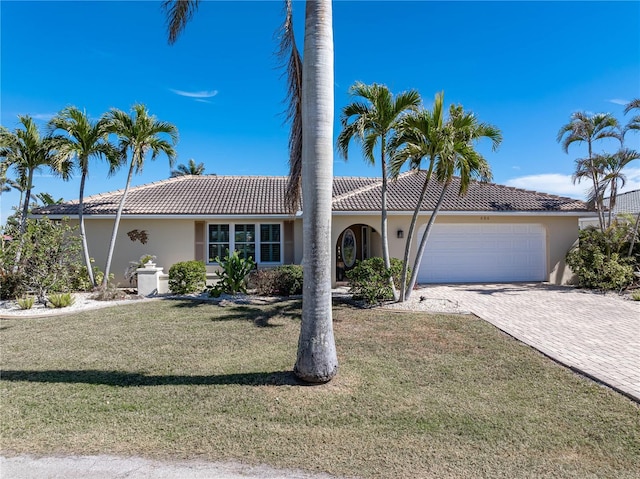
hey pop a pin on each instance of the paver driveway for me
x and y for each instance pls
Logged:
(596, 334)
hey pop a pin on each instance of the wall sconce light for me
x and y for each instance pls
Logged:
(400, 234)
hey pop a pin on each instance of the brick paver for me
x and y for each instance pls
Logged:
(598, 335)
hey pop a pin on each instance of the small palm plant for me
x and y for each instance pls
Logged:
(234, 271)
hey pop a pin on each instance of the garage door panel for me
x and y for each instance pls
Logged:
(484, 253)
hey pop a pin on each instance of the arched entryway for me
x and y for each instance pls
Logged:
(355, 243)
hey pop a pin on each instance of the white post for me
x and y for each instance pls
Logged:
(149, 280)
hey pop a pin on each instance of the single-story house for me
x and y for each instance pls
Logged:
(493, 234)
(627, 203)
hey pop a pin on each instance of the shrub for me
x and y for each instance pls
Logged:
(635, 295)
(597, 262)
(49, 256)
(108, 293)
(12, 285)
(26, 302)
(233, 274)
(281, 281)
(187, 277)
(369, 279)
(61, 300)
(80, 277)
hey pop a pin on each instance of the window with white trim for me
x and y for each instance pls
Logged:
(262, 242)
(270, 243)
(245, 241)
(218, 241)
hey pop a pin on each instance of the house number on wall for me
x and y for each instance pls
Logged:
(484, 218)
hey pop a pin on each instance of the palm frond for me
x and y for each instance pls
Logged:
(291, 63)
(632, 105)
(178, 13)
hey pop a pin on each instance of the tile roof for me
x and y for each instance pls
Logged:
(189, 195)
(628, 202)
(264, 195)
(404, 192)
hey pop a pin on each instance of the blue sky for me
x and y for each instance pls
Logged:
(522, 66)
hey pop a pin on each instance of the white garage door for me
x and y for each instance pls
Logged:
(458, 253)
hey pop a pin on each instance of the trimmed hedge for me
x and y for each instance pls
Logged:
(281, 281)
(187, 277)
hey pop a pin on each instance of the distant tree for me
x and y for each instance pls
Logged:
(370, 121)
(189, 169)
(85, 139)
(587, 128)
(47, 200)
(139, 134)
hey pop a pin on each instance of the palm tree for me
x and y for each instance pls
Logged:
(419, 137)
(27, 151)
(47, 200)
(189, 169)
(610, 172)
(370, 123)
(633, 125)
(4, 182)
(85, 139)
(614, 178)
(140, 134)
(632, 105)
(590, 128)
(450, 149)
(311, 140)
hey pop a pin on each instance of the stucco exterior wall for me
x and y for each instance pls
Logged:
(173, 240)
(170, 240)
(561, 233)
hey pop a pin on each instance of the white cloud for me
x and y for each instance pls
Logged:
(558, 184)
(553, 183)
(633, 179)
(196, 94)
(43, 116)
(618, 101)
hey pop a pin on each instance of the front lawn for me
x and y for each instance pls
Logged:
(417, 395)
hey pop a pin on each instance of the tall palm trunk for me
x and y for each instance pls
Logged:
(317, 360)
(116, 224)
(27, 199)
(83, 234)
(407, 248)
(634, 236)
(23, 219)
(423, 241)
(384, 223)
(596, 189)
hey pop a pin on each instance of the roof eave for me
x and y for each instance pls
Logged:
(472, 213)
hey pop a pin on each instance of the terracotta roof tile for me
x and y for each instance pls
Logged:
(258, 195)
(404, 192)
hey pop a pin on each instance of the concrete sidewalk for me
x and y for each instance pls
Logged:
(596, 334)
(109, 467)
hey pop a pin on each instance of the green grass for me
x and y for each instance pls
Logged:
(416, 396)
